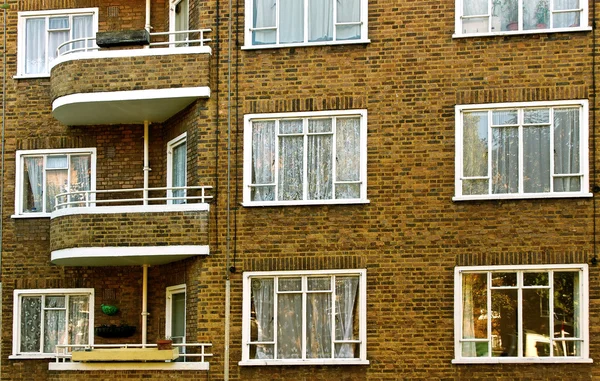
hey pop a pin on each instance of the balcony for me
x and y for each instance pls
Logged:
(129, 84)
(188, 356)
(126, 227)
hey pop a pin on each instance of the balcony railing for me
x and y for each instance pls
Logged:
(157, 39)
(120, 197)
(191, 355)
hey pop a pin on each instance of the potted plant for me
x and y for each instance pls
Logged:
(510, 11)
(542, 14)
(164, 344)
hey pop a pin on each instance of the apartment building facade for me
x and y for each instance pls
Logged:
(311, 190)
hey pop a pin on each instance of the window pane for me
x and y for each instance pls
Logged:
(56, 183)
(291, 21)
(536, 116)
(318, 325)
(289, 326)
(79, 315)
(536, 14)
(264, 17)
(566, 20)
(567, 316)
(348, 11)
(475, 144)
(57, 162)
(291, 126)
(535, 279)
(263, 160)
(35, 45)
(320, 20)
(320, 167)
(536, 324)
(320, 283)
(504, 323)
(33, 184)
(347, 321)
(291, 167)
(347, 144)
(58, 23)
(290, 284)
(262, 317)
(54, 40)
(536, 159)
(55, 302)
(475, 317)
(509, 15)
(504, 279)
(566, 149)
(475, 7)
(82, 27)
(505, 160)
(347, 191)
(31, 323)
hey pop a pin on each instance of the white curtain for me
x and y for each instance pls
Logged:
(566, 19)
(347, 142)
(505, 152)
(291, 21)
(80, 177)
(55, 323)
(348, 11)
(346, 289)
(289, 319)
(82, 27)
(475, 152)
(536, 159)
(566, 149)
(265, 12)
(263, 160)
(31, 323)
(320, 183)
(262, 298)
(35, 48)
(79, 320)
(320, 20)
(58, 32)
(32, 184)
(468, 325)
(318, 325)
(178, 172)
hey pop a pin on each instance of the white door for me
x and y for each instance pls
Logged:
(177, 169)
(179, 20)
(175, 315)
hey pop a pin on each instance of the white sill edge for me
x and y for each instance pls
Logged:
(32, 357)
(31, 215)
(521, 32)
(306, 44)
(31, 76)
(301, 362)
(301, 203)
(532, 360)
(536, 196)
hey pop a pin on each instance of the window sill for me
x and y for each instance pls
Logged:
(303, 203)
(32, 76)
(306, 44)
(32, 215)
(497, 197)
(44, 356)
(522, 32)
(527, 360)
(304, 362)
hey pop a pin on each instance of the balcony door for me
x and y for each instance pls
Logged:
(179, 17)
(177, 169)
(175, 314)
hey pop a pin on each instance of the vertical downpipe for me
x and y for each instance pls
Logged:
(146, 161)
(145, 306)
(148, 26)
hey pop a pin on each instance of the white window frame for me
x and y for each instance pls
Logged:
(23, 16)
(170, 291)
(362, 312)
(21, 154)
(584, 17)
(249, 17)
(18, 294)
(584, 150)
(179, 140)
(584, 311)
(249, 118)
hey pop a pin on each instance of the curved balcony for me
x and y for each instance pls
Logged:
(129, 226)
(129, 84)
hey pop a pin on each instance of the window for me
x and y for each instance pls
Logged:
(272, 23)
(521, 314)
(41, 33)
(45, 318)
(177, 169)
(522, 150)
(42, 175)
(476, 17)
(305, 158)
(302, 317)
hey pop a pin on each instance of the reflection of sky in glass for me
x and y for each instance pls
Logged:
(537, 116)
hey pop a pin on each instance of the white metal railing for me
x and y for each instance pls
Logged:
(189, 352)
(79, 199)
(89, 43)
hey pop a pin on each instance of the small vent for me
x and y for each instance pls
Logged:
(113, 11)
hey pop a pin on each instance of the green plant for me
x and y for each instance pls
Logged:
(510, 10)
(542, 12)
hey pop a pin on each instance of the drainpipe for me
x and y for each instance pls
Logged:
(147, 26)
(146, 162)
(145, 306)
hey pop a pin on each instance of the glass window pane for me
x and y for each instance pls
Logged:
(535, 279)
(348, 11)
(264, 14)
(320, 20)
(263, 159)
(347, 315)
(536, 14)
(567, 304)
(509, 15)
(504, 117)
(504, 323)
(475, 7)
(290, 284)
(347, 144)
(320, 167)
(536, 159)
(504, 279)
(320, 283)
(566, 149)
(31, 323)
(291, 21)
(56, 183)
(291, 126)
(55, 302)
(61, 22)
(35, 45)
(347, 191)
(476, 25)
(536, 323)
(262, 317)
(32, 184)
(505, 160)
(57, 162)
(289, 326)
(475, 317)
(318, 325)
(536, 116)
(79, 315)
(471, 187)
(291, 166)
(54, 329)
(475, 349)
(475, 144)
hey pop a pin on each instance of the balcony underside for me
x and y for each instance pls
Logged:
(141, 366)
(126, 256)
(124, 107)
